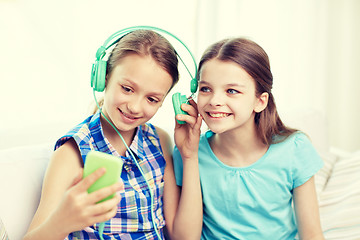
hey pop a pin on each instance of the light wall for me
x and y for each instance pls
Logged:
(47, 48)
(314, 54)
(343, 74)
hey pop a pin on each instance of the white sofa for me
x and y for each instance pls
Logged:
(338, 183)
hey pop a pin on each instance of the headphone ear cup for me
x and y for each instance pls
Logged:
(193, 85)
(98, 75)
(177, 100)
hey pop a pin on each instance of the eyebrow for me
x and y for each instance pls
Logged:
(159, 95)
(155, 94)
(228, 85)
(236, 85)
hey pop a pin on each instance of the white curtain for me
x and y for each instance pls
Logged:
(313, 48)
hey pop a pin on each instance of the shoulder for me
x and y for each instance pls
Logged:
(68, 154)
(298, 148)
(64, 166)
(294, 141)
(154, 132)
(80, 132)
(298, 137)
(164, 137)
(162, 133)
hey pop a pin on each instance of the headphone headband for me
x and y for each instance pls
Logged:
(99, 67)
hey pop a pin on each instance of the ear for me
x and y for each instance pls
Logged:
(106, 79)
(261, 102)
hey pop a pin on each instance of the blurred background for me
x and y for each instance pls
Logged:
(47, 48)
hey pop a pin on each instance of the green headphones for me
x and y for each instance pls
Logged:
(98, 73)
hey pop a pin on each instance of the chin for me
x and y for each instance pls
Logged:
(217, 130)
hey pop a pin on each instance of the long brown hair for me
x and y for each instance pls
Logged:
(145, 42)
(254, 60)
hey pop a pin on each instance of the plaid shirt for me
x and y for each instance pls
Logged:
(133, 218)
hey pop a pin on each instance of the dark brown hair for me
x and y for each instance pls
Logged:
(254, 60)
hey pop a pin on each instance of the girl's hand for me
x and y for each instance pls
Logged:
(187, 135)
(79, 209)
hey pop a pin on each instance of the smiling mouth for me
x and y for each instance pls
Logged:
(218, 115)
(128, 116)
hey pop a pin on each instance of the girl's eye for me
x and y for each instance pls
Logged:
(153, 100)
(126, 89)
(232, 91)
(204, 89)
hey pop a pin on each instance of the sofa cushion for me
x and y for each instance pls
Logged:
(340, 198)
(21, 173)
(323, 175)
(3, 234)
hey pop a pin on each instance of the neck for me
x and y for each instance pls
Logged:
(113, 137)
(239, 147)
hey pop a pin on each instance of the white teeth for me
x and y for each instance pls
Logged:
(128, 116)
(218, 115)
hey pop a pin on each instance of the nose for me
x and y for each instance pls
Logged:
(216, 99)
(134, 105)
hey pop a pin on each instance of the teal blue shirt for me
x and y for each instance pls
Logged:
(253, 202)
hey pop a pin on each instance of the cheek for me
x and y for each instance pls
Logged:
(150, 111)
(244, 108)
(111, 95)
(203, 104)
(121, 98)
(200, 102)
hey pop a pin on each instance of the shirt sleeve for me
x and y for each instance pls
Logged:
(178, 166)
(306, 160)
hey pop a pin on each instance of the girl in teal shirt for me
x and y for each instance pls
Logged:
(252, 167)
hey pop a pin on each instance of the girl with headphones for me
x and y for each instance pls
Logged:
(252, 167)
(139, 73)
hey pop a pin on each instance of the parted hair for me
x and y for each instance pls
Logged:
(144, 42)
(254, 60)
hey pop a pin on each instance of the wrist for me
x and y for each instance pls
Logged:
(51, 225)
(191, 162)
(193, 157)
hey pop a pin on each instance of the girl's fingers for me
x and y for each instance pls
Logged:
(187, 118)
(193, 103)
(89, 180)
(189, 109)
(105, 216)
(198, 123)
(106, 206)
(100, 194)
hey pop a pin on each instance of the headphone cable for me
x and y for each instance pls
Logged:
(101, 225)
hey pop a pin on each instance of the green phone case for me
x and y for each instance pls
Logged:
(113, 165)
